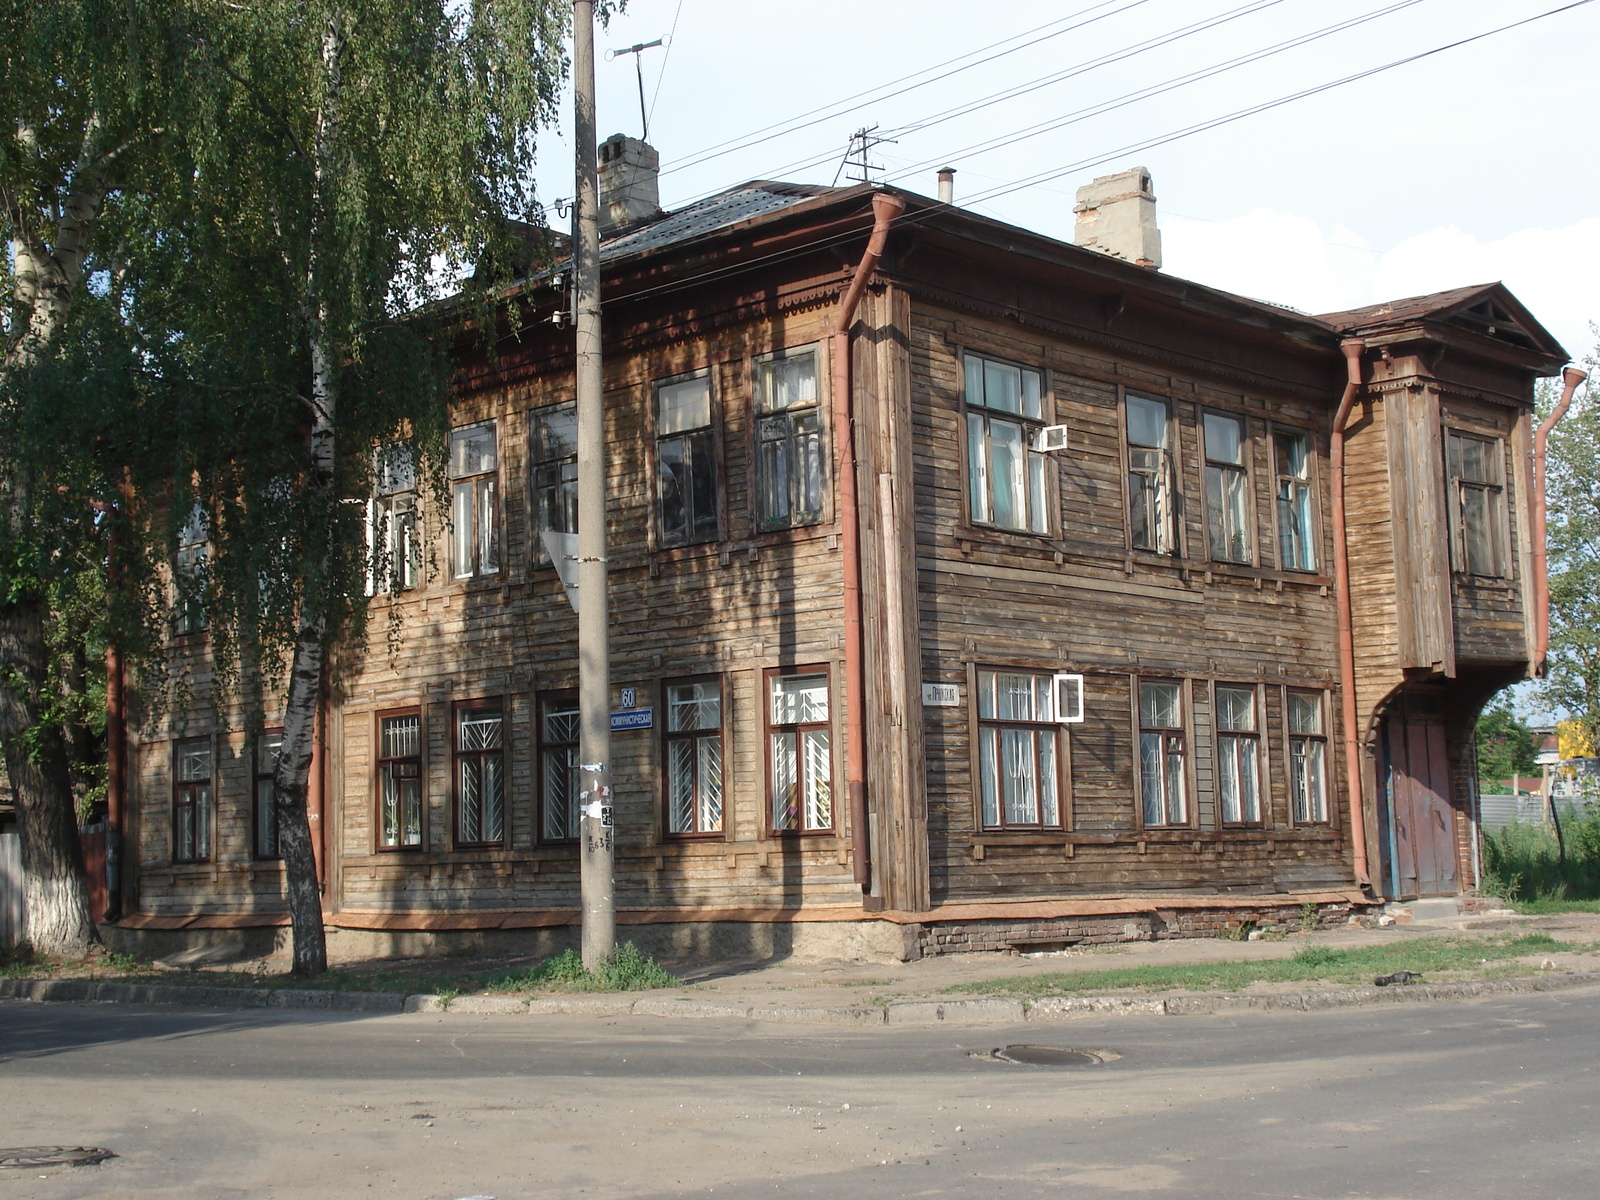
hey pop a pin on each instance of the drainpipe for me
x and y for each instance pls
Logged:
(1570, 379)
(1353, 349)
(884, 209)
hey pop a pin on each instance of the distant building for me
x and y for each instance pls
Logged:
(1101, 693)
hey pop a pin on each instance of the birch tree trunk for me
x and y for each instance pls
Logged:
(310, 650)
(45, 281)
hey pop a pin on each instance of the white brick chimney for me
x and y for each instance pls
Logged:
(1117, 216)
(628, 181)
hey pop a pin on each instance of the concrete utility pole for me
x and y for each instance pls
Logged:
(594, 650)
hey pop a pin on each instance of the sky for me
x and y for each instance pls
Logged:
(1468, 165)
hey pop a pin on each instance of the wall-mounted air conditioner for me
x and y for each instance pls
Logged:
(1069, 699)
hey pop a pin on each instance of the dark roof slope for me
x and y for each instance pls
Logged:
(1487, 309)
(743, 203)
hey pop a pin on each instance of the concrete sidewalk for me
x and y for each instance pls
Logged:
(916, 993)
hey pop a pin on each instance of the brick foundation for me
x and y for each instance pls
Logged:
(967, 937)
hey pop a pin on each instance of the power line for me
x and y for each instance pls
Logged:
(1114, 56)
(1156, 89)
(1099, 160)
(837, 108)
(672, 33)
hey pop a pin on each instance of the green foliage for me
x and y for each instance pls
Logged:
(628, 970)
(1522, 862)
(1355, 964)
(1572, 684)
(1506, 746)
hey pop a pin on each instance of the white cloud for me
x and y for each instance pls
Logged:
(1292, 260)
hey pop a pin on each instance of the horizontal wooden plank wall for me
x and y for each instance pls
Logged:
(1083, 601)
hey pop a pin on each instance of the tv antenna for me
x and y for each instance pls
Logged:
(637, 51)
(858, 155)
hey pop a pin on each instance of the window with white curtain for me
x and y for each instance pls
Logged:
(799, 742)
(1019, 773)
(1238, 744)
(1227, 488)
(474, 501)
(1007, 480)
(789, 466)
(1297, 546)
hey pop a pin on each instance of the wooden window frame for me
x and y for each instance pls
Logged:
(1174, 525)
(1313, 494)
(1185, 731)
(495, 524)
(1323, 739)
(394, 559)
(199, 797)
(380, 762)
(189, 555)
(542, 745)
(1246, 469)
(758, 523)
(669, 737)
(1049, 469)
(258, 776)
(458, 756)
(770, 826)
(538, 523)
(713, 432)
(1499, 531)
(1063, 755)
(1258, 735)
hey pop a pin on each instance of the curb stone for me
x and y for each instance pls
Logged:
(977, 1011)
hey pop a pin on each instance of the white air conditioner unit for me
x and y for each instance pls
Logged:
(1051, 437)
(1069, 699)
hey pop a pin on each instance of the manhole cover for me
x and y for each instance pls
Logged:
(1052, 1056)
(53, 1156)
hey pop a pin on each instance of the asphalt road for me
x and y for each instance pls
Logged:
(1490, 1099)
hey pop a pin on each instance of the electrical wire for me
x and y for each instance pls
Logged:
(1099, 160)
(1155, 89)
(671, 35)
(836, 108)
(1115, 56)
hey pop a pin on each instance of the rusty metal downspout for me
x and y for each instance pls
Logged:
(884, 209)
(1353, 349)
(1571, 379)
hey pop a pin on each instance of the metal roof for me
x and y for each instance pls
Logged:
(732, 207)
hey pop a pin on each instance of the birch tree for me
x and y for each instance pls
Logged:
(316, 171)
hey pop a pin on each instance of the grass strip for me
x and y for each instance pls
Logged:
(1546, 906)
(1323, 964)
(629, 970)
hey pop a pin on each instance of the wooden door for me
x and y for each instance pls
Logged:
(1422, 840)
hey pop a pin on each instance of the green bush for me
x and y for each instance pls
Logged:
(628, 970)
(1523, 862)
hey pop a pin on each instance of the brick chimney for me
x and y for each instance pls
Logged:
(1117, 216)
(628, 174)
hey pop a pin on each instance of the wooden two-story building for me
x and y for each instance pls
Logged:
(1098, 691)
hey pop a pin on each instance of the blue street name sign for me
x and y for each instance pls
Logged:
(633, 718)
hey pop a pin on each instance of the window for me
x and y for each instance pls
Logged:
(1476, 498)
(400, 781)
(268, 747)
(191, 801)
(800, 752)
(189, 574)
(1018, 772)
(475, 501)
(1297, 550)
(686, 462)
(555, 472)
(694, 756)
(1006, 478)
(1238, 750)
(394, 547)
(558, 766)
(1227, 489)
(1161, 783)
(480, 774)
(1308, 752)
(1150, 475)
(788, 440)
